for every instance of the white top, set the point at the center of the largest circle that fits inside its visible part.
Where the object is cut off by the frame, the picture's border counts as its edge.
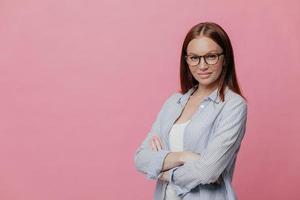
(176, 144)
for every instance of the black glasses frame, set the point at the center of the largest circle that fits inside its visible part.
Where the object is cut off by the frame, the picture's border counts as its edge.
(205, 57)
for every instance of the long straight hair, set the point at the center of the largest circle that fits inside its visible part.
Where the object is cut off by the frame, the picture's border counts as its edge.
(228, 75)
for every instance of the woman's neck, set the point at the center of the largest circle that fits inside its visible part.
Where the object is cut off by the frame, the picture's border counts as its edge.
(202, 91)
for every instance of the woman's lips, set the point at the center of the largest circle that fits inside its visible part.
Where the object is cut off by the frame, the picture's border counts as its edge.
(204, 75)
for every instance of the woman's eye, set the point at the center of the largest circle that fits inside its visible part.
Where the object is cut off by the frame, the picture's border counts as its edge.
(212, 56)
(194, 58)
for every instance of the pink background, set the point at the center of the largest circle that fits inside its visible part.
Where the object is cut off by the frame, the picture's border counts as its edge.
(82, 81)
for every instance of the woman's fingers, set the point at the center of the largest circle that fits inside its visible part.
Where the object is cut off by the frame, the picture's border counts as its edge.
(153, 146)
(155, 143)
(189, 156)
(158, 143)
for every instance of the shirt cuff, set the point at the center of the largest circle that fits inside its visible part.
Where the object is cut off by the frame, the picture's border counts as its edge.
(180, 191)
(156, 164)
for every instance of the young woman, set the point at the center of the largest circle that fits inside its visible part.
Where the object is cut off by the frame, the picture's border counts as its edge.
(193, 144)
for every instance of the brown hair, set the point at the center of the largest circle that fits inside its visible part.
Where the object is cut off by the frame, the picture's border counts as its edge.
(228, 76)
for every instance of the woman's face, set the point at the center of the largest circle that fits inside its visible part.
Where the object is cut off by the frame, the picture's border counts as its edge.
(206, 74)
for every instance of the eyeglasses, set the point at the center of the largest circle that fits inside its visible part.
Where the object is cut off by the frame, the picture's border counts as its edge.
(210, 59)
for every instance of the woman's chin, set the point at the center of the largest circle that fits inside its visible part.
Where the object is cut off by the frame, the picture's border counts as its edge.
(206, 82)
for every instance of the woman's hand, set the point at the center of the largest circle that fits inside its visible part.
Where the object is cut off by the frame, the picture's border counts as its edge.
(186, 156)
(165, 176)
(155, 143)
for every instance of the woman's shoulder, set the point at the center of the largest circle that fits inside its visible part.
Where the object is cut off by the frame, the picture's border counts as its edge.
(231, 96)
(174, 96)
(234, 100)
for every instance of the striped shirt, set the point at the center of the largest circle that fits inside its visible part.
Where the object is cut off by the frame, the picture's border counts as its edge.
(176, 145)
(215, 132)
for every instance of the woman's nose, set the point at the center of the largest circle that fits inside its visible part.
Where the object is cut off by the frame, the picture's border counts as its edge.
(202, 64)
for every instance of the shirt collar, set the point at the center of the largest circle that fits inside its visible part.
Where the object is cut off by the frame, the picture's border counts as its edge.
(213, 96)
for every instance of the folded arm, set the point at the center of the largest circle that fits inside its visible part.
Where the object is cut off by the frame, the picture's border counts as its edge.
(220, 151)
(146, 160)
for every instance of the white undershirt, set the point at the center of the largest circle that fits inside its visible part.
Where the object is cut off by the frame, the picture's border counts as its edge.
(176, 144)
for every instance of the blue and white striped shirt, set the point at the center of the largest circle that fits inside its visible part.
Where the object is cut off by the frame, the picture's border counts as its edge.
(215, 132)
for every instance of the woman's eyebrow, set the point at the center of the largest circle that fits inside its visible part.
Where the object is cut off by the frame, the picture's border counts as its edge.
(191, 53)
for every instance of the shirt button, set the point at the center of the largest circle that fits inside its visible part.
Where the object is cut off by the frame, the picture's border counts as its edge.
(202, 106)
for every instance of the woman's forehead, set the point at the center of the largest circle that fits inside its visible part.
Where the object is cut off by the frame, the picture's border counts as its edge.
(203, 45)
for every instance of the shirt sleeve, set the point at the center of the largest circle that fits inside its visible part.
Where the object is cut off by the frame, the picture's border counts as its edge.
(222, 148)
(146, 160)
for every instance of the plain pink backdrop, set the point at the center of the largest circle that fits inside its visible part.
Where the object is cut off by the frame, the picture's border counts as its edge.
(83, 80)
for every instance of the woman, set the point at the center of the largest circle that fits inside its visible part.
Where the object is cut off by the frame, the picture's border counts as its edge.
(193, 144)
